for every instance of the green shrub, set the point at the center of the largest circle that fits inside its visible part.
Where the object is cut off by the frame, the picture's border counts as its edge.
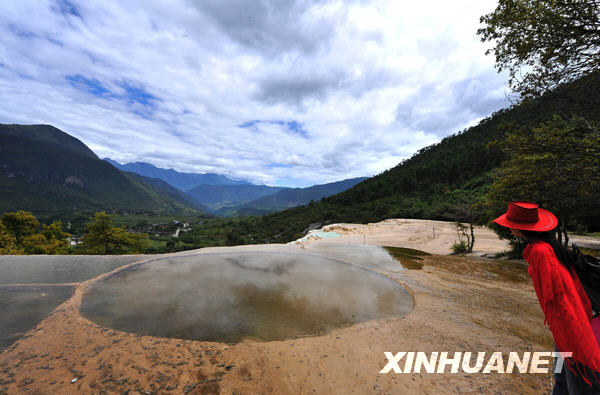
(459, 247)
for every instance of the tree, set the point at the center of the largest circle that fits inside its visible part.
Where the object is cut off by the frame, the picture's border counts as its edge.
(557, 165)
(19, 235)
(50, 241)
(543, 43)
(34, 244)
(103, 238)
(171, 244)
(20, 224)
(466, 238)
(55, 240)
(8, 243)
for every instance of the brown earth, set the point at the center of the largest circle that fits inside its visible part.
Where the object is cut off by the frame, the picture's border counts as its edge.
(435, 237)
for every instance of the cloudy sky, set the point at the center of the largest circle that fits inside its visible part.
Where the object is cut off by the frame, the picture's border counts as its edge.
(282, 92)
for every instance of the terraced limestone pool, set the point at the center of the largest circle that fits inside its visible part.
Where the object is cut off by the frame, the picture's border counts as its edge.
(228, 297)
(32, 286)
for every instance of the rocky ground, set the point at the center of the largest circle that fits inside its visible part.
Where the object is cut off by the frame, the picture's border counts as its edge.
(435, 237)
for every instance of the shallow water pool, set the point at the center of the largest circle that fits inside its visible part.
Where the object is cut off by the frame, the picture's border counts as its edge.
(326, 235)
(23, 306)
(58, 269)
(228, 297)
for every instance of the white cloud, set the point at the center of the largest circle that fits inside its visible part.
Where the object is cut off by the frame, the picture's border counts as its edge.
(366, 83)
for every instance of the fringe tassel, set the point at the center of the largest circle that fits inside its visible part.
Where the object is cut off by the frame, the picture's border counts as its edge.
(585, 376)
(582, 372)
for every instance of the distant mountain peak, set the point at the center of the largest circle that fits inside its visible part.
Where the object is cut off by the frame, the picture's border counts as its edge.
(180, 180)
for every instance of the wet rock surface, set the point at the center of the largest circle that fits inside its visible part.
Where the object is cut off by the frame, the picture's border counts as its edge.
(230, 297)
(32, 286)
(59, 269)
(23, 306)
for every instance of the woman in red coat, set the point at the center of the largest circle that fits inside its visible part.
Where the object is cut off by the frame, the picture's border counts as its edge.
(566, 307)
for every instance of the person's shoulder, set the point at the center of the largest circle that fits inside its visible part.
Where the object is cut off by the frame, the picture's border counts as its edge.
(537, 249)
(540, 245)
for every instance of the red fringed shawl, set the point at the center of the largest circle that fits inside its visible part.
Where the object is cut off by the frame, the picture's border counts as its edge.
(567, 308)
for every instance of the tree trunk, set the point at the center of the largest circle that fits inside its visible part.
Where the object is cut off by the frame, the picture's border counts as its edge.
(559, 227)
(472, 241)
(563, 237)
(564, 229)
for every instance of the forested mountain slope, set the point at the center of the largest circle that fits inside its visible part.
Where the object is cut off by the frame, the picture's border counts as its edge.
(438, 182)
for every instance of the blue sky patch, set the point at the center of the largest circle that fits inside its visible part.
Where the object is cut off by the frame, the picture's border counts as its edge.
(92, 86)
(136, 96)
(294, 127)
(248, 124)
(67, 8)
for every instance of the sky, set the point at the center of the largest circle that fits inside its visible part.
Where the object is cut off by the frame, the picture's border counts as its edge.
(278, 92)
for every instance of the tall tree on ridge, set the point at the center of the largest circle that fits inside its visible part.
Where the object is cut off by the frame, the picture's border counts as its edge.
(543, 43)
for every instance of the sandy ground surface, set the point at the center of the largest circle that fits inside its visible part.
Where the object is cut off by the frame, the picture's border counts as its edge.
(461, 304)
(435, 237)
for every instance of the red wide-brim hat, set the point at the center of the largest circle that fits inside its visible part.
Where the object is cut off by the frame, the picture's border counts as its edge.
(527, 216)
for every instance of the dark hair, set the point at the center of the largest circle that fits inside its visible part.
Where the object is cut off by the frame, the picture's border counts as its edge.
(562, 253)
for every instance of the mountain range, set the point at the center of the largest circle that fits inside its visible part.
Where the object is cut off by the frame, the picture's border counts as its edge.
(288, 197)
(180, 180)
(225, 196)
(45, 170)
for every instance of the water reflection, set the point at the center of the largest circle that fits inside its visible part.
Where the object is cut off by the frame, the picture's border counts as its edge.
(409, 258)
(56, 269)
(228, 297)
(23, 306)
